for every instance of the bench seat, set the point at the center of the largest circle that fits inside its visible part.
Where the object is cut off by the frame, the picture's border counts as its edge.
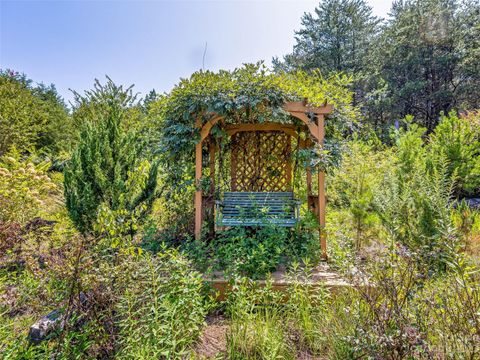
(257, 209)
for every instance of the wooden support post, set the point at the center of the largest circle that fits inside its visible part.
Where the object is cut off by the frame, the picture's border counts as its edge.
(288, 169)
(211, 148)
(309, 181)
(198, 189)
(310, 202)
(321, 191)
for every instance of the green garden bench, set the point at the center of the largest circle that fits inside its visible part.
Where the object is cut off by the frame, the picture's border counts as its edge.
(257, 209)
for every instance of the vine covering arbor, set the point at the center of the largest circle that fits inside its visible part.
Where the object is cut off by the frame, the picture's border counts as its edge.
(249, 132)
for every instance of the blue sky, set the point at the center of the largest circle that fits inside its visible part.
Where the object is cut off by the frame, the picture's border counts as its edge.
(147, 43)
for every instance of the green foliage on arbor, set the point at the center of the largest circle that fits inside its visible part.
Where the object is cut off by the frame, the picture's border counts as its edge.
(32, 117)
(109, 173)
(245, 95)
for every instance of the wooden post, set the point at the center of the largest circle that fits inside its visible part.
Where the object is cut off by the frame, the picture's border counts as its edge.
(309, 181)
(310, 198)
(198, 178)
(310, 202)
(289, 163)
(211, 148)
(233, 164)
(299, 109)
(321, 191)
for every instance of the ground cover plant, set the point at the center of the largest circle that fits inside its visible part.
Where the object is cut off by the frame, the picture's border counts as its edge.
(254, 252)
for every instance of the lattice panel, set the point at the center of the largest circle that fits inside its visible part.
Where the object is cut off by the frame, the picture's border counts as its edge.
(261, 161)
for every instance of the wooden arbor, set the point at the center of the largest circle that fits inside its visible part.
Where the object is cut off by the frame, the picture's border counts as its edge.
(312, 117)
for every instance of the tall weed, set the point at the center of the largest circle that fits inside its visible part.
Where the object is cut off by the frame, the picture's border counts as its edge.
(256, 329)
(162, 310)
(414, 203)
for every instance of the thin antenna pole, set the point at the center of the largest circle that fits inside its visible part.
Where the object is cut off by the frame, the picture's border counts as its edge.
(204, 53)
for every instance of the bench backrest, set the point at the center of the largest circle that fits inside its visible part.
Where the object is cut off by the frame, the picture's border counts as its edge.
(258, 208)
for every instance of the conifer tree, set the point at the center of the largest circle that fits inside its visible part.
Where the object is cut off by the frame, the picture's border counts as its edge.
(109, 169)
(336, 38)
(33, 117)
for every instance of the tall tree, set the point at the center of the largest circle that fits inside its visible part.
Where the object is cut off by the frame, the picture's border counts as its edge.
(336, 38)
(33, 117)
(424, 59)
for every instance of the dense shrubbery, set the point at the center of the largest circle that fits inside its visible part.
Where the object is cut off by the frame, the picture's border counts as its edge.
(47, 264)
(354, 185)
(393, 230)
(253, 253)
(415, 202)
(457, 140)
(25, 189)
(397, 314)
(33, 118)
(404, 194)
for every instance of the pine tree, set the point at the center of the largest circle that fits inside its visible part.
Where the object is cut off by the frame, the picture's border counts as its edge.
(422, 61)
(425, 62)
(108, 167)
(417, 59)
(336, 38)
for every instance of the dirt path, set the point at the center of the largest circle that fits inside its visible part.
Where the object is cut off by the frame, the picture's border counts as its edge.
(213, 340)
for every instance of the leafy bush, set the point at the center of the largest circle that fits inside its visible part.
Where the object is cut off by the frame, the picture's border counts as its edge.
(394, 312)
(386, 326)
(303, 243)
(32, 118)
(414, 202)
(172, 217)
(341, 239)
(26, 191)
(252, 252)
(162, 310)
(449, 308)
(457, 139)
(354, 185)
